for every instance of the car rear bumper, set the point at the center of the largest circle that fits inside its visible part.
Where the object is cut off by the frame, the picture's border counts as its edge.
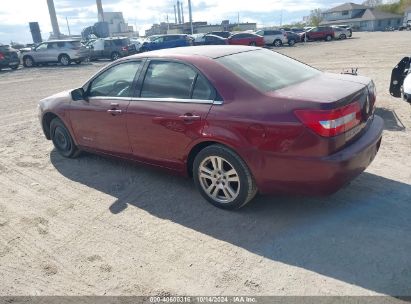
(322, 176)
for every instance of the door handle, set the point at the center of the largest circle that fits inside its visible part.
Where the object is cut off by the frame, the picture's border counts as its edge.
(114, 112)
(190, 117)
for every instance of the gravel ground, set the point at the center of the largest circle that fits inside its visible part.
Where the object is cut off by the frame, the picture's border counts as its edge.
(99, 226)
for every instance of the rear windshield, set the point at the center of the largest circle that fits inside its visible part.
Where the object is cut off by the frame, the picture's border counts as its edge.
(267, 70)
(121, 42)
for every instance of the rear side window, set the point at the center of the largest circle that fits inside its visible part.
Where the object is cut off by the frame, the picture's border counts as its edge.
(175, 80)
(267, 70)
(168, 80)
(73, 44)
(202, 89)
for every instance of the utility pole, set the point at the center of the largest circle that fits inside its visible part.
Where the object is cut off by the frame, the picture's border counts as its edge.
(281, 18)
(68, 27)
(238, 19)
(190, 15)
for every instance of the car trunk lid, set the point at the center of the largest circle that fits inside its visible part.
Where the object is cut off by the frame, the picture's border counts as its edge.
(334, 106)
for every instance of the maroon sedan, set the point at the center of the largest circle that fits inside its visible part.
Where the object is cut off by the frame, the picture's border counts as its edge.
(239, 120)
(246, 39)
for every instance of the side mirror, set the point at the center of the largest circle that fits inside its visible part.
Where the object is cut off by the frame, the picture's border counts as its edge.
(78, 94)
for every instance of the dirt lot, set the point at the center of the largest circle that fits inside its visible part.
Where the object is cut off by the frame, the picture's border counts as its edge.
(97, 226)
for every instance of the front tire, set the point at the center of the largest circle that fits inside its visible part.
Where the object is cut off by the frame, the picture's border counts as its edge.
(291, 42)
(62, 140)
(342, 37)
(223, 178)
(328, 38)
(28, 62)
(14, 67)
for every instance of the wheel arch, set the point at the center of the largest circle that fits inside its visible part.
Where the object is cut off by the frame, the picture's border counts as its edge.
(62, 54)
(46, 119)
(45, 123)
(200, 146)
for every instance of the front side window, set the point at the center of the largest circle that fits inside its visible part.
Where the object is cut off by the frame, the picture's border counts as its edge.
(42, 47)
(116, 81)
(267, 70)
(168, 80)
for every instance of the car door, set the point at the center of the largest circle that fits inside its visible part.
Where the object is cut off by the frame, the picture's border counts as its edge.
(237, 39)
(100, 121)
(158, 43)
(168, 113)
(40, 54)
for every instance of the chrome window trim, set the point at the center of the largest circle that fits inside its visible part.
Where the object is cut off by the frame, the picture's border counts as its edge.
(109, 98)
(173, 100)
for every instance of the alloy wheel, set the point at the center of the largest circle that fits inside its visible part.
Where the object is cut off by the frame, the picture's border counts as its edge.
(219, 179)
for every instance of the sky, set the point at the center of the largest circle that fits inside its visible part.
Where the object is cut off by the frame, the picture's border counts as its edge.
(16, 14)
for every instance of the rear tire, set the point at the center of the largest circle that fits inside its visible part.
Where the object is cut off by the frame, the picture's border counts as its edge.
(62, 140)
(14, 67)
(114, 56)
(28, 62)
(277, 43)
(328, 38)
(291, 42)
(223, 178)
(342, 37)
(252, 44)
(64, 60)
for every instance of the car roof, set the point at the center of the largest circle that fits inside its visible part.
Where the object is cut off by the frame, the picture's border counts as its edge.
(210, 51)
(63, 40)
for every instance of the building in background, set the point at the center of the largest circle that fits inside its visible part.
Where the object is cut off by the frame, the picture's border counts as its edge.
(361, 17)
(116, 24)
(198, 27)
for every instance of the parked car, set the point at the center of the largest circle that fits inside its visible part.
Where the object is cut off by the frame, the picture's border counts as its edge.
(347, 27)
(341, 33)
(239, 120)
(276, 38)
(297, 30)
(246, 39)
(111, 48)
(400, 84)
(56, 51)
(198, 39)
(292, 38)
(318, 33)
(223, 34)
(9, 57)
(138, 43)
(166, 42)
(212, 40)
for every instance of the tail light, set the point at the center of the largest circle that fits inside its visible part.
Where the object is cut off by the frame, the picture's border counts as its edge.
(124, 48)
(1, 56)
(330, 123)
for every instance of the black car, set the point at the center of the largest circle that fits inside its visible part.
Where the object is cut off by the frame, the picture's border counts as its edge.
(292, 38)
(223, 34)
(111, 48)
(213, 40)
(9, 57)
